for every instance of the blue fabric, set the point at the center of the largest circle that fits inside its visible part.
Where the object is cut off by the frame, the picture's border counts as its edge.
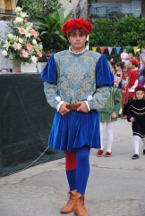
(83, 169)
(118, 50)
(104, 75)
(71, 177)
(74, 130)
(49, 72)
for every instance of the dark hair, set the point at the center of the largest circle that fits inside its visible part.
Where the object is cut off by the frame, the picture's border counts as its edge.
(120, 64)
(114, 61)
(73, 31)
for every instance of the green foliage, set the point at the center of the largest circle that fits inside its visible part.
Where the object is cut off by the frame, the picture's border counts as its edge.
(39, 7)
(49, 28)
(127, 31)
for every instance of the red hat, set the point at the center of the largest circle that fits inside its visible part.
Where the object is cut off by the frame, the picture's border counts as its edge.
(71, 24)
(135, 62)
(139, 88)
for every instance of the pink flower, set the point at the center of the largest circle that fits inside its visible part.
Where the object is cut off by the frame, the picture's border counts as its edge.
(22, 31)
(29, 47)
(39, 53)
(33, 32)
(16, 46)
(25, 54)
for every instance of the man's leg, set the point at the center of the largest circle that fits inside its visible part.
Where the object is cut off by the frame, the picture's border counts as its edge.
(70, 167)
(82, 174)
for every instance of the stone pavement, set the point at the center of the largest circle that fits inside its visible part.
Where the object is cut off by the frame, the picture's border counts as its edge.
(116, 185)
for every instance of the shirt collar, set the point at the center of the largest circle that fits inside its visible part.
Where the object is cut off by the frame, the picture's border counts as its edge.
(78, 52)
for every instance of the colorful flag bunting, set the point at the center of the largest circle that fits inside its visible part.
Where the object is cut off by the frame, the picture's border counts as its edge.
(94, 49)
(118, 50)
(128, 48)
(110, 50)
(102, 49)
(135, 48)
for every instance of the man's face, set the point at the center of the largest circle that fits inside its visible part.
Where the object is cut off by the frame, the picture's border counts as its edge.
(77, 40)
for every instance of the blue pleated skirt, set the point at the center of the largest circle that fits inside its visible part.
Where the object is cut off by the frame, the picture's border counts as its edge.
(74, 130)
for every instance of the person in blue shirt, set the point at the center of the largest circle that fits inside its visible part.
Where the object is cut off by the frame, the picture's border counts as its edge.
(77, 83)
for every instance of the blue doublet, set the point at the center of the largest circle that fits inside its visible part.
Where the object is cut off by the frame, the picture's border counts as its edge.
(74, 78)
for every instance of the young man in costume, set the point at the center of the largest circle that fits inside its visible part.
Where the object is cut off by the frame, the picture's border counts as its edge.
(77, 83)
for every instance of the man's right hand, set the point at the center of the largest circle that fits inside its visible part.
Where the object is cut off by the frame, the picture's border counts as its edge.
(63, 110)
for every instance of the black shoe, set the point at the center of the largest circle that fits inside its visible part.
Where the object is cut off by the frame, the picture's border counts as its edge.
(144, 151)
(135, 156)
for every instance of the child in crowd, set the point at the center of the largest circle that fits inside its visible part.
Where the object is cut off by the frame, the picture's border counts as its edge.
(108, 115)
(136, 115)
(124, 55)
(118, 76)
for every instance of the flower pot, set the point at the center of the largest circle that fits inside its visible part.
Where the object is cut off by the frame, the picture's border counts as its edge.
(17, 69)
(28, 68)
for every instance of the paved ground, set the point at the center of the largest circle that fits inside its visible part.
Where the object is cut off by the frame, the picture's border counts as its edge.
(116, 185)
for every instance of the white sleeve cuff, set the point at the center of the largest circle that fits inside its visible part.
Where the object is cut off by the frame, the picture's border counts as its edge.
(87, 105)
(59, 105)
(89, 98)
(58, 98)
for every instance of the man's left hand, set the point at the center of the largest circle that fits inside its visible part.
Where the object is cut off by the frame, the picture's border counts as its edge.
(82, 107)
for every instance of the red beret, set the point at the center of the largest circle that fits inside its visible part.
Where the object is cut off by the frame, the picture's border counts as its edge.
(135, 62)
(71, 24)
(139, 88)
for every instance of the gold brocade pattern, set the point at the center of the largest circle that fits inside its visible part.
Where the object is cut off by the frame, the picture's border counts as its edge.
(77, 76)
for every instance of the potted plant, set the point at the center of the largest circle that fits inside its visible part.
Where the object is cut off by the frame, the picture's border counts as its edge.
(23, 44)
(49, 29)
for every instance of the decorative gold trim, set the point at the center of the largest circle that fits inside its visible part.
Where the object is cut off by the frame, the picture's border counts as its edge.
(139, 134)
(136, 108)
(138, 113)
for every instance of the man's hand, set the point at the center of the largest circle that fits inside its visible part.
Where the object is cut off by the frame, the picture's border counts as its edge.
(63, 110)
(82, 107)
(113, 115)
(132, 119)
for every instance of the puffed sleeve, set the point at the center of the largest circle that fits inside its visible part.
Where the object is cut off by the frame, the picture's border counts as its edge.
(49, 75)
(104, 76)
(49, 72)
(104, 80)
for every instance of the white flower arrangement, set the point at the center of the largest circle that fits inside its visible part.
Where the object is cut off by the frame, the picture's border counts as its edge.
(23, 46)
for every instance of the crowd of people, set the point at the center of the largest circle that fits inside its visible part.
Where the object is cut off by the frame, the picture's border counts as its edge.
(128, 73)
(129, 80)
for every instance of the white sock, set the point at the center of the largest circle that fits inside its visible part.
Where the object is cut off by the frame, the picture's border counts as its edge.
(101, 136)
(136, 140)
(109, 132)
